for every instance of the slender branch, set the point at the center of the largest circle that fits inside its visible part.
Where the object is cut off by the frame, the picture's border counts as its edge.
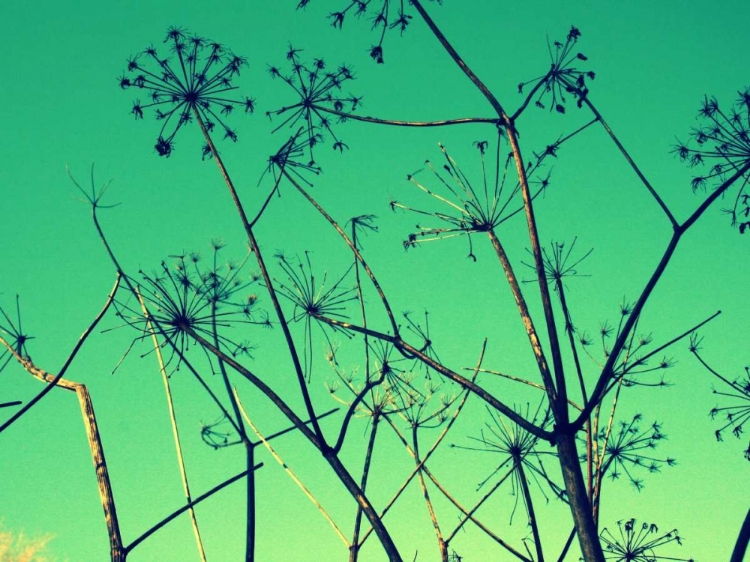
(326, 451)
(523, 310)
(355, 117)
(175, 430)
(442, 545)
(743, 539)
(530, 510)
(57, 378)
(631, 162)
(353, 247)
(266, 278)
(355, 545)
(188, 506)
(445, 371)
(607, 371)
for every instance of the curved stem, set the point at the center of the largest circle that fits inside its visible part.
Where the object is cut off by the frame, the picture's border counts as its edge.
(445, 371)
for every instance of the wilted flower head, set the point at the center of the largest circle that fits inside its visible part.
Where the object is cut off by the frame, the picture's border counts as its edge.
(720, 146)
(193, 80)
(563, 77)
(321, 99)
(638, 542)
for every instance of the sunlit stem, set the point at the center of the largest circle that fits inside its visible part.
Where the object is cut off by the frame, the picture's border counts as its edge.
(175, 430)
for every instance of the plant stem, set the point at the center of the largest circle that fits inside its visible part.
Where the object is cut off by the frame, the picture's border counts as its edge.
(175, 430)
(266, 278)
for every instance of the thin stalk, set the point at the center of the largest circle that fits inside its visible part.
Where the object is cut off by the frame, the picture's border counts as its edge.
(327, 452)
(353, 247)
(630, 161)
(469, 514)
(175, 430)
(470, 385)
(355, 544)
(607, 371)
(266, 278)
(530, 509)
(250, 520)
(743, 539)
(565, 549)
(584, 396)
(289, 471)
(523, 310)
(442, 545)
(441, 123)
(186, 507)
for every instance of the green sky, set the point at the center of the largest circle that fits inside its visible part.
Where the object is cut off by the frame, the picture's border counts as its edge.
(60, 105)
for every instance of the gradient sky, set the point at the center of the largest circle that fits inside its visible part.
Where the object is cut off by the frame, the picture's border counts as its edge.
(60, 105)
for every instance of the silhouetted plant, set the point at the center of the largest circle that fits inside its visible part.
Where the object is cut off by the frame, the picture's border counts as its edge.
(196, 77)
(563, 78)
(388, 376)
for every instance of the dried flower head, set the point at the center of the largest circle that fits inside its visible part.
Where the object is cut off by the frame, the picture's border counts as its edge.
(720, 147)
(193, 81)
(627, 449)
(14, 334)
(313, 300)
(184, 297)
(638, 543)
(736, 415)
(520, 452)
(562, 78)
(468, 207)
(321, 99)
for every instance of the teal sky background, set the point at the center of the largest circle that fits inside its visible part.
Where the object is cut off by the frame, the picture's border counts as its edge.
(60, 105)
